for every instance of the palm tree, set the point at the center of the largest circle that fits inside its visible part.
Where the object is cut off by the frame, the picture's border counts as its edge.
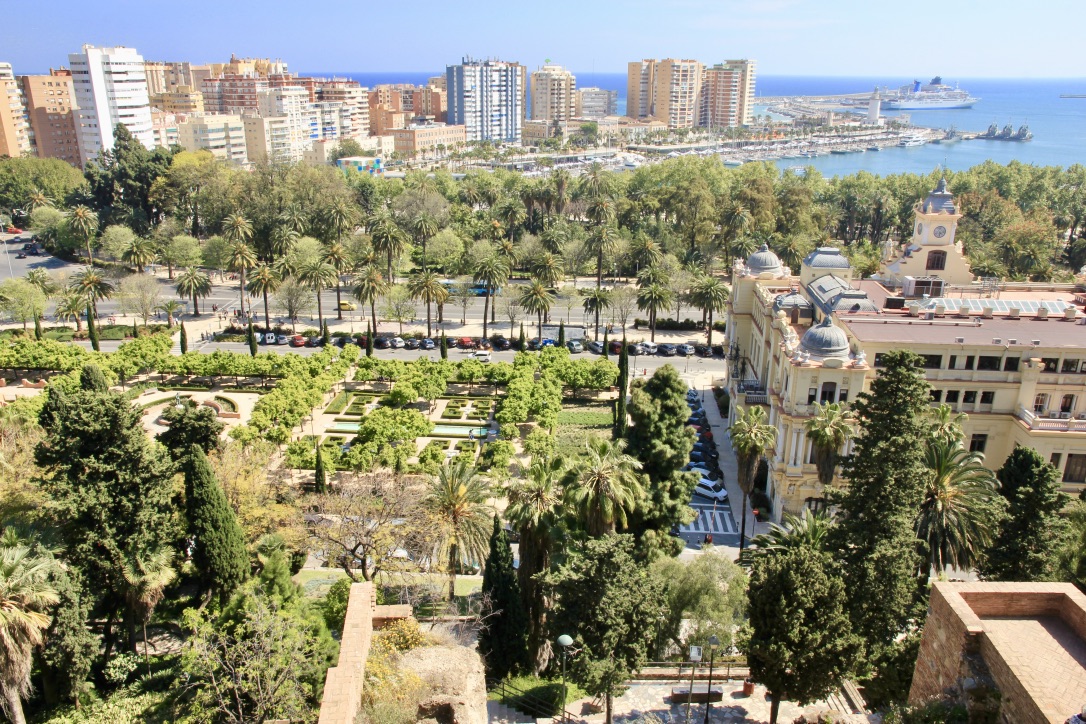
(294, 219)
(91, 285)
(457, 504)
(751, 437)
(710, 295)
(172, 308)
(71, 305)
(193, 283)
(596, 301)
(84, 222)
(241, 258)
(946, 425)
(38, 199)
(604, 486)
(427, 286)
(424, 227)
(511, 213)
(535, 505)
(651, 299)
(958, 513)
(369, 286)
(492, 272)
(262, 282)
(140, 253)
(603, 240)
(547, 268)
(25, 595)
(336, 254)
(807, 531)
(41, 279)
(646, 251)
(537, 298)
(317, 275)
(829, 429)
(387, 238)
(145, 580)
(339, 218)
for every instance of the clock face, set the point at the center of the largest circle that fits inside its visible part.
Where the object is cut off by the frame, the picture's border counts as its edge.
(919, 228)
(940, 232)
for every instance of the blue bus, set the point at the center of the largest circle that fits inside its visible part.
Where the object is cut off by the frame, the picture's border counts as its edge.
(477, 288)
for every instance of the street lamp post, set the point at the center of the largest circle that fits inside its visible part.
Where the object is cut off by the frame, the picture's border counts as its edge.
(713, 643)
(565, 641)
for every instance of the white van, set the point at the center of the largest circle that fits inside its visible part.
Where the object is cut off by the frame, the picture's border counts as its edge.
(709, 489)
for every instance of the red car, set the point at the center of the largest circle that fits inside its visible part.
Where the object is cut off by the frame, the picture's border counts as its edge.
(14, 230)
(297, 341)
(465, 343)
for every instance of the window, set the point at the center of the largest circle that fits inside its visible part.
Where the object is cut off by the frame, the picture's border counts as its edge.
(987, 397)
(1040, 402)
(812, 395)
(1067, 404)
(878, 359)
(969, 362)
(1069, 366)
(936, 395)
(1075, 472)
(932, 361)
(970, 397)
(1050, 364)
(953, 365)
(987, 362)
(936, 260)
(842, 396)
(815, 505)
(1010, 364)
(952, 396)
(1055, 460)
(977, 443)
(829, 392)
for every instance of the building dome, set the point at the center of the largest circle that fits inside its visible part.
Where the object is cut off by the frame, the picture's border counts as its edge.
(826, 257)
(763, 261)
(790, 300)
(825, 340)
(940, 200)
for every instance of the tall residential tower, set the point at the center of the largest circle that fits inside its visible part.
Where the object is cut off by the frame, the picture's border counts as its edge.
(487, 98)
(554, 94)
(14, 127)
(667, 90)
(110, 90)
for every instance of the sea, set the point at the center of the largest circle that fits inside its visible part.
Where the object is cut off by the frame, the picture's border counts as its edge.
(1058, 124)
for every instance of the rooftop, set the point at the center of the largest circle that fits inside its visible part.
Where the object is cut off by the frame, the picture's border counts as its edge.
(1052, 333)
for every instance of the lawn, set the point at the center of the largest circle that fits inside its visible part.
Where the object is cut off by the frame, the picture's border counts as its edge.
(580, 421)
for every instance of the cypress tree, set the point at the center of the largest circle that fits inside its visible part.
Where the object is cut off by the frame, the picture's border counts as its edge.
(606, 354)
(251, 338)
(502, 642)
(1026, 545)
(444, 347)
(92, 329)
(135, 329)
(184, 339)
(37, 327)
(327, 336)
(92, 379)
(320, 477)
(369, 341)
(219, 553)
(620, 405)
(874, 539)
(522, 342)
(561, 334)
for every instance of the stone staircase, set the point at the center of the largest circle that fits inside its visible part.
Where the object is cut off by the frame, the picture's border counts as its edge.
(499, 713)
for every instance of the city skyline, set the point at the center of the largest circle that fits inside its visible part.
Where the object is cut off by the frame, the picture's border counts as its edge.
(787, 37)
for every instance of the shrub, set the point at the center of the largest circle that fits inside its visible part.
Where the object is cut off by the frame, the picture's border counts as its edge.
(337, 405)
(668, 324)
(227, 404)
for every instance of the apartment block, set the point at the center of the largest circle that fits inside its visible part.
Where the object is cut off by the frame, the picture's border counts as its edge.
(14, 126)
(50, 100)
(287, 127)
(727, 90)
(261, 67)
(110, 90)
(223, 136)
(164, 77)
(233, 94)
(354, 98)
(181, 99)
(553, 91)
(423, 138)
(430, 102)
(595, 103)
(164, 128)
(384, 120)
(285, 80)
(487, 97)
(667, 90)
(437, 81)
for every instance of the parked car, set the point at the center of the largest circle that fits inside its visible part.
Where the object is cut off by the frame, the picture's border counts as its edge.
(465, 343)
(340, 341)
(412, 343)
(397, 343)
(713, 490)
(574, 346)
(537, 344)
(347, 306)
(597, 347)
(614, 346)
(483, 343)
(270, 338)
(427, 343)
(718, 350)
(382, 343)
(686, 349)
(649, 347)
(703, 350)
(692, 394)
(29, 246)
(360, 340)
(311, 341)
(502, 344)
(450, 343)
(297, 341)
(282, 339)
(667, 350)
(21, 255)
(482, 356)
(14, 230)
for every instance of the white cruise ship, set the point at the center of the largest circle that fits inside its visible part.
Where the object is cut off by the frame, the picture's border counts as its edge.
(933, 96)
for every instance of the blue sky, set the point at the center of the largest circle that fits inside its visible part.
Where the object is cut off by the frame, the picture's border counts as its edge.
(955, 38)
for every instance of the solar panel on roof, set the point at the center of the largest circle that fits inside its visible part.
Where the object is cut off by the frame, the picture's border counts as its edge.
(1055, 306)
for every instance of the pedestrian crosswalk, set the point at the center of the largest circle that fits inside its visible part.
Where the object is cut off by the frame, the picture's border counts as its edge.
(716, 522)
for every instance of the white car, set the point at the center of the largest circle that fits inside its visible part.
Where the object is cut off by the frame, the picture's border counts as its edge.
(397, 343)
(482, 355)
(709, 489)
(270, 338)
(649, 347)
(282, 339)
(686, 349)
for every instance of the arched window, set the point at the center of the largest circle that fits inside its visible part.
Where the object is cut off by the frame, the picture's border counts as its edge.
(936, 260)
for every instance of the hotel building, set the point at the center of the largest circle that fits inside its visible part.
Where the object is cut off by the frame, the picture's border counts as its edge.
(49, 103)
(110, 90)
(1011, 356)
(487, 97)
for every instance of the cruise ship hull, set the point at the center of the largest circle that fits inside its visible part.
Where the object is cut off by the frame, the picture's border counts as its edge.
(928, 105)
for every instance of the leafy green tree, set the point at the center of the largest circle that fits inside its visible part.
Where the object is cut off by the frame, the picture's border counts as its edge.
(502, 640)
(604, 600)
(457, 503)
(335, 604)
(121, 181)
(662, 443)
(801, 641)
(604, 486)
(191, 425)
(219, 553)
(22, 301)
(36, 183)
(874, 538)
(180, 251)
(704, 597)
(1026, 543)
(751, 436)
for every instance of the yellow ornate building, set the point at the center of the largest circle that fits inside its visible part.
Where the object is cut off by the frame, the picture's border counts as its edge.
(1012, 357)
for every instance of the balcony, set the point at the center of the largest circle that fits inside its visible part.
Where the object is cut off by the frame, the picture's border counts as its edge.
(1052, 422)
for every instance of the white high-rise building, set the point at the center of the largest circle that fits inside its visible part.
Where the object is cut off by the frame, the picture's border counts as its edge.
(596, 103)
(487, 98)
(553, 93)
(110, 89)
(287, 127)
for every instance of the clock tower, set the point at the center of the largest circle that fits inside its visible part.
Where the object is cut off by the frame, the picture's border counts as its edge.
(936, 218)
(932, 250)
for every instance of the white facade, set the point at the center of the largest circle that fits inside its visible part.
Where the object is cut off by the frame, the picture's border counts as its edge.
(287, 127)
(553, 93)
(487, 98)
(223, 136)
(110, 89)
(596, 103)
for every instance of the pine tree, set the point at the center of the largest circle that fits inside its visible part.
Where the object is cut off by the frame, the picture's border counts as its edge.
(219, 553)
(1025, 549)
(251, 339)
(320, 478)
(184, 339)
(37, 327)
(444, 347)
(70, 647)
(502, 641)
(561, 334)
(874, 539)
(92, 329)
